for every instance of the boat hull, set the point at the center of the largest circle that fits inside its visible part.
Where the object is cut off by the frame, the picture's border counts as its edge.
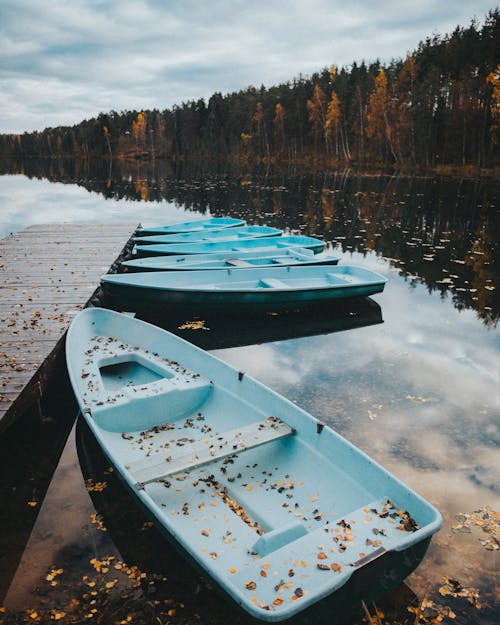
(149, 553)
(198, 225)
(224, 234)
(278, 509)
(228, 260)
(275, 288)
(261, 245)
(132, 298)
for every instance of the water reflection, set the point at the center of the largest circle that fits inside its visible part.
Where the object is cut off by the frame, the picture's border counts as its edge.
(419, 392)
(443, 233)
(218, 332)
(28, 464)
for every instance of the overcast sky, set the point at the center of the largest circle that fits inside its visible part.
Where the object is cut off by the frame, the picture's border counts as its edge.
(62, 61)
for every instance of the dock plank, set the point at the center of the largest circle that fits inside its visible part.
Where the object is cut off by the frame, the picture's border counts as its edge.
(47, 274)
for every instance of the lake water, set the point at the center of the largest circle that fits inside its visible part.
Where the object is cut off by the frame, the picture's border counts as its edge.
(412, 377)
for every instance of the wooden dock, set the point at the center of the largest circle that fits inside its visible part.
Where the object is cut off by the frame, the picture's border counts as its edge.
(47, 274)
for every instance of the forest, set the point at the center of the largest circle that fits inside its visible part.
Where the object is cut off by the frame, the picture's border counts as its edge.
(440, 106)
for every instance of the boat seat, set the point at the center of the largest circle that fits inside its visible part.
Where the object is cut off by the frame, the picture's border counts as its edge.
(136, 387)
(361, 545)
(279, 537)
(335, 278)
(236, 262)
(303, 253)
(273, 283)
(209, 450)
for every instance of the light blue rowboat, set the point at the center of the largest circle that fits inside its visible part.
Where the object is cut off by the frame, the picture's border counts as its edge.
(226, 234)
(278, 509)
(198, 225)
(226, 260)
(268, 288)
(257, 245)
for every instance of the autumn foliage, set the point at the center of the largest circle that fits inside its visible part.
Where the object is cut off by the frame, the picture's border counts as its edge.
(440, 105)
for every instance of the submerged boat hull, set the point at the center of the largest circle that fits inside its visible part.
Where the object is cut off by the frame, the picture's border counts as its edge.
(198, 225)
(279, 510)
(274, 288)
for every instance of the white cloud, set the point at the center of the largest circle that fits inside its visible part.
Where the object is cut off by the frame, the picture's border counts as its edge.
(130, 54)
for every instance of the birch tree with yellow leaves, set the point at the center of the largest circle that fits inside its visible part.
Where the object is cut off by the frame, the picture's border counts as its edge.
(493, 79)
(317, 114)
(378, 129)
(139, 133)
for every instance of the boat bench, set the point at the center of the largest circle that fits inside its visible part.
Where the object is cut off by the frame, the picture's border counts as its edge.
(122, 400)
(335, 278)
(273, 283)
(209, 450)
(302, 252)
(236, 262)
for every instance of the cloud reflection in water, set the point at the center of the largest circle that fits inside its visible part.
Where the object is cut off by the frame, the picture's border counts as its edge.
(419, 393)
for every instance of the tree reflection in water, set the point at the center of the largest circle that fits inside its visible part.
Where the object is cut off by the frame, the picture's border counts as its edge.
(418, 392)
(441, 232)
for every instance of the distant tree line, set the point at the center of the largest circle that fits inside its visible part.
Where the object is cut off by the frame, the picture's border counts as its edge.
(440, 105)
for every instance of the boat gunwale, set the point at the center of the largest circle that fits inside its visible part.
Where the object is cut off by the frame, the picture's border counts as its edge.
(146, 500)
(264, 243)
(222, 234)
(112, 279)
(154, 263)
(161, 229)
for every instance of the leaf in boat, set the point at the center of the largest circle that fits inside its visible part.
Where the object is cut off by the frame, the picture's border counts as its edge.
(322, 567)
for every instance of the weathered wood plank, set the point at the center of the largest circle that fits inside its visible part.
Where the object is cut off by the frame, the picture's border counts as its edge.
(47, 273)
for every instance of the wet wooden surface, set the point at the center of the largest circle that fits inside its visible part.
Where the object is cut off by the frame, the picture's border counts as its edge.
(47, 274)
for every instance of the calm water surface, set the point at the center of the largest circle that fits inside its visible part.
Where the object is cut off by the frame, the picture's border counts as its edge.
(412, 377)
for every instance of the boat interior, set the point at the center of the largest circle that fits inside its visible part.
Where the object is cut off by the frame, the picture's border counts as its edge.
(241, 489)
